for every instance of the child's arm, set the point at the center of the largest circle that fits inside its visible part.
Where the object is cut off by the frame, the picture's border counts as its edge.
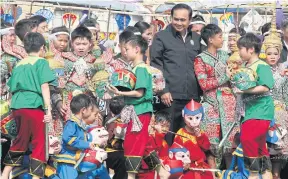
(257, 90)
(46, 96)
(70, 137)
(135, 93)
(203, 142)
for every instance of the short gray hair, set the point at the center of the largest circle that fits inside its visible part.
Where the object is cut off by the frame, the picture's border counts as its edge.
(284, 24)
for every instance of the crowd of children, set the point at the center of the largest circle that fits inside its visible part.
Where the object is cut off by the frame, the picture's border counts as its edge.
(61, 86)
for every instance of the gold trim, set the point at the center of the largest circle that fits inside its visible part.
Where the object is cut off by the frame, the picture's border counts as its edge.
(37, 160)
(66, 161)
(66, 156)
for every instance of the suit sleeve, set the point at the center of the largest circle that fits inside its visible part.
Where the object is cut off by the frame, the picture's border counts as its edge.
(71, 138)
(156, 57)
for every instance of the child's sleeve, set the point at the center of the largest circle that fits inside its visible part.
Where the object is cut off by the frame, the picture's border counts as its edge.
(265, 76)
(45, 74)
(144, 79)
(203, 142)
(71, 138)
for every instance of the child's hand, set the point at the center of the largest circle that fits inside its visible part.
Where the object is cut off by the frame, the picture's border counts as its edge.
(113, 89)
(47, 117)
(237, 91)
(197, 131)
(228, 72)
(92, 146)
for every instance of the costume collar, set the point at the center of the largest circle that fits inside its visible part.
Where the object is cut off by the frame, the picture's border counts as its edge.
(78, 121)
(72, 57)
(14, 50)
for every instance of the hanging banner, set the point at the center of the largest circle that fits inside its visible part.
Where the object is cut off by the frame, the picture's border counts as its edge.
(251, 21)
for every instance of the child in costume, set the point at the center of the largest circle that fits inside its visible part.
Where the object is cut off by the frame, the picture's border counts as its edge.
(74, 135)
(78, 66)
(141, 98)
(272, 45)
(159, 125)
(218, 100)
(259, 109)
(30, 97)
(195, 140)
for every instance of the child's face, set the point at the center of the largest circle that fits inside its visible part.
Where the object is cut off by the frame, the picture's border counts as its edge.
(61, 42)
(197, 28)
(93, 116)
(245, 53)
(131, 52)
(232, 42)
(272, 56)
(42, 28)
(147, 35)
(164, 126)
(193, 121)
(216, 40)
(123, 50)
(94, 35)
(11, 37)
(81, 46)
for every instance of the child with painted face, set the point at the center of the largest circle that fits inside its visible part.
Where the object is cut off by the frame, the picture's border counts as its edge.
(195, 140)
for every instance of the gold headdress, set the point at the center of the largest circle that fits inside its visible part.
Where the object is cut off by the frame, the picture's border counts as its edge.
(273, 39)
(234, 61)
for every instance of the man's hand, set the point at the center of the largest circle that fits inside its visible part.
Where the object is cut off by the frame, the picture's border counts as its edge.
(62, 108)
(167, 99)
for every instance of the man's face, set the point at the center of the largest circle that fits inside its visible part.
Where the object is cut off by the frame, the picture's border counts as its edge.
(81, 46)
(180, 20)
(197, 28)
(42, 28)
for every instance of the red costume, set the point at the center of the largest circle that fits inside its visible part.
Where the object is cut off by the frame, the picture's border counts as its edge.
(193, 113)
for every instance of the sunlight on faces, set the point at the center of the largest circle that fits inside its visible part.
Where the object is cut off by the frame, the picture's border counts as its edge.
(61, 42)
(193, 121)
(197, 28)
(217, 40)
(180, 20)
(272, 56)
(232, 42)
(147, 35)
(81, 46)
(42, 28)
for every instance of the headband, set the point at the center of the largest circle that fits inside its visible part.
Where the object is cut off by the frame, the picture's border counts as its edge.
(91, 28)
(137, 33)
(53, 36)
(197, 22)
(267, 33)
(6, 30)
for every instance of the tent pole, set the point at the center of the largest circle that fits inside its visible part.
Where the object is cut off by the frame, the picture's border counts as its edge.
(109, 16)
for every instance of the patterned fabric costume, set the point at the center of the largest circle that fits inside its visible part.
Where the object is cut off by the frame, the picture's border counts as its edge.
(78, 73)
(280, 97)
(219, 102)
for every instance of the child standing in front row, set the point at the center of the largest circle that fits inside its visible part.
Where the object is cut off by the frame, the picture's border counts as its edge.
(259, 109)
(30, 97)
(141, 98)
